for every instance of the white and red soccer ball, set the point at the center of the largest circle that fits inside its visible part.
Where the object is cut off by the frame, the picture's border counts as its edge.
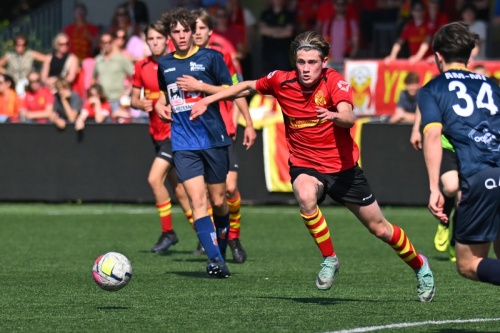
(112, 271)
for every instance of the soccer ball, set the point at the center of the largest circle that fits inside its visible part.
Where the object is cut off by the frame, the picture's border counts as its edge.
(112, 271)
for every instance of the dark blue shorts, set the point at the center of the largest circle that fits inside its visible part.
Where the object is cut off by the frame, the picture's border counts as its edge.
(163, 150)
(212, 163)
(478, 214)
(449, 161)
(348, 186)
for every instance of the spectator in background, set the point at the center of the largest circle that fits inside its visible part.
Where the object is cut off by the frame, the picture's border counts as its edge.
(67, 104)
(344, 35)
(479, 27)
(138, 12)
(306, 13)
(137, 46)
(495, 20)
(61, 63)
(112, 70)
(277, 30)
(436, 18)
(122, 20)
(120, 40)
(325, 13)
(242, 19)
(407, 104)
(482, 8)
(96, 108)
(379, 11)
(20, 63)
(82, 35)
(236, 36)
(38, 101)
(416, 34)
(10, 102)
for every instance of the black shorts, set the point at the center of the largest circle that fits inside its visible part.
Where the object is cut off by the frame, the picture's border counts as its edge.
(348, 186)
(449, 161)
(478, 214)
(163, 150)
(233, 158)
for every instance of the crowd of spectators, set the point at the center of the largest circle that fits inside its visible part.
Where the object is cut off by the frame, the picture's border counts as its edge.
(87, 76)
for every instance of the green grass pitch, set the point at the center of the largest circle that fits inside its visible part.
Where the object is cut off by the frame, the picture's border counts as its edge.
(46, 284)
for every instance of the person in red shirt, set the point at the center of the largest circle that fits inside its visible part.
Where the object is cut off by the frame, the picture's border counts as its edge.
(38, 101)
(317, 109)
(204, 29)
(145, 93)
(96, 108)
(416, 33)
(82, 35)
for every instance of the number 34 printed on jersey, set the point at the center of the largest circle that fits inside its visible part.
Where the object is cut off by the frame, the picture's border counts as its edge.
(484, 99)
(180, 100)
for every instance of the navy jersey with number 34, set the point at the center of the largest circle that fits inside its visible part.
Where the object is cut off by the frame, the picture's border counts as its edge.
(205, 65)
(467, 106)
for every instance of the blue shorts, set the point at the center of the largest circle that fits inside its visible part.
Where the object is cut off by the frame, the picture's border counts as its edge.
(212, 163)
(478, 214)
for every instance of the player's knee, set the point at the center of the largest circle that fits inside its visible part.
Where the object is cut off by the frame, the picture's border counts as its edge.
(231, 190)
(450, 190)
(155, 183)
(380, 229)
(218, 202)
(465, 269)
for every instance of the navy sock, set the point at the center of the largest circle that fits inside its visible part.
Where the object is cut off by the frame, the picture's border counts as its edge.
(222, 226)
(206, 234)
(488, 271)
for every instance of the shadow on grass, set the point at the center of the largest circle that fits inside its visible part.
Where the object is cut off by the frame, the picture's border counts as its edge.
(195, 259)
(321, 300)
(449, 330)
(113, 307)
(167, 253)
(202, 274)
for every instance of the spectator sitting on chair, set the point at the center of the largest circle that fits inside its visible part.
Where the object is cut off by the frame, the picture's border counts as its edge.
(20, 62)
(38, 101)
(10, 102)
(96, 108)
(407, 104)
(67, 104)
(416, 34)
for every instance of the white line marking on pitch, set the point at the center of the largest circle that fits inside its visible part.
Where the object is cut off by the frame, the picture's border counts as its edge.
(421, 323)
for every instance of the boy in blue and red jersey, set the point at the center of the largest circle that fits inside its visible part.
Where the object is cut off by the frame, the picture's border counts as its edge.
(464, 106)
(317, 108)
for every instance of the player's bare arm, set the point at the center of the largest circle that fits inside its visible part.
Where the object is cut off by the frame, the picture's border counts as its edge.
(241, 89)
(342, 115)
(249, 135)
(433, 153)
(416, 136)
(162, 109)
(144, 103)
(189, 83)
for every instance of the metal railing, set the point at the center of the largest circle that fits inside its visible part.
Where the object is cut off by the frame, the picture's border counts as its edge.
(40, 26)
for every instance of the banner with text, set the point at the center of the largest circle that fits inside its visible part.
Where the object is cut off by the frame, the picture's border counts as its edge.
(377, 85)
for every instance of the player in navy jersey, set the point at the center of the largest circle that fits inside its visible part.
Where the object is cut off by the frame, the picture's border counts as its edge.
(317, 109)
(464, 106)
(200, 146)
(204, 29)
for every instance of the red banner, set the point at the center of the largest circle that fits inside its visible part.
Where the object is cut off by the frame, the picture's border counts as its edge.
(377, 85)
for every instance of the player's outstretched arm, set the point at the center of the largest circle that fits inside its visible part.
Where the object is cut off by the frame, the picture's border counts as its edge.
(189, 83)
(433, 154)
(241, 89)
(162, 109)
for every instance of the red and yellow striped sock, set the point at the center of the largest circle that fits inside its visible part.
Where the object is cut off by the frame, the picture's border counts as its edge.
(404, 248)
(211, 213)
(165, 211)
(189, 216)
(234, 216)
(318, 229)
